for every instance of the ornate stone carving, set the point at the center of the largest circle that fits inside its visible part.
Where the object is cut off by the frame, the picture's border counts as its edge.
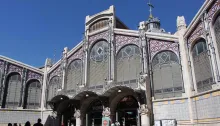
(181, 23)
(106, 112)
(159, 45)
(77, 114)
(144, 109)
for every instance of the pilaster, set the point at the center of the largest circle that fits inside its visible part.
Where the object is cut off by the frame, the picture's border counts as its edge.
(3, 80)
(85, 56)
(23, 87)
(145, 115)
(181, 26)
(64, 67)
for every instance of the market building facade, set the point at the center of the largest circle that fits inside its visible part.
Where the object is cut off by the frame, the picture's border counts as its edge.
(117, 75)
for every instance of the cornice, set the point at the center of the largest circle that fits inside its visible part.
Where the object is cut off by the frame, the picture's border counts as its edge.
(126, 32)
(196, 19)
(162, 36)
(21, 64)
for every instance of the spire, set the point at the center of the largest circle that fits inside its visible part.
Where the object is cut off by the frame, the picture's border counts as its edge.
(151, 7)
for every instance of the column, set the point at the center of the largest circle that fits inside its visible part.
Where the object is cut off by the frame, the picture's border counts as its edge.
(23, 88)
(64, 65)
(77, 116)
(145, 115)
(85, 57)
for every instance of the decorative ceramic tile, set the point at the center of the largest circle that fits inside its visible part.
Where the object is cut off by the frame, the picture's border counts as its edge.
(76, 55)
(14, 68)
(196, 33)
(34, 75)
(2, 63)
(99, 36)
(56, 72)
(122, 40)
(160, 45)
(213, 10)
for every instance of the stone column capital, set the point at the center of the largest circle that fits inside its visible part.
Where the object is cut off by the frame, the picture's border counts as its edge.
(77, 114)
(144, 110)
(106, 112)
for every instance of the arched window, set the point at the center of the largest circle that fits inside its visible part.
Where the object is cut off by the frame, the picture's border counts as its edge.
(202, 66)
(98, 70)
(217, 32)
(32, 95)
(128, 64)
(12, 92)
(167, 78)
(54, 85)
(74, 75)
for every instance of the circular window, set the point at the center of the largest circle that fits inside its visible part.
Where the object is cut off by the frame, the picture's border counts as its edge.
(99, 51)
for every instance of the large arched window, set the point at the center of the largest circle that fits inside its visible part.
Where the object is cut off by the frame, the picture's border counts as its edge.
(32, 95)
(202, 66)
(98, 70)
(12, 92)
(217, 32)
(167, 77)
(74, 75)
(54, 85)
(128, 64)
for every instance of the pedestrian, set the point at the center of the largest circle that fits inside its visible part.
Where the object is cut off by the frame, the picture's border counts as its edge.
(27, 123)
(15, 124)
(38, 123)
(9, 124)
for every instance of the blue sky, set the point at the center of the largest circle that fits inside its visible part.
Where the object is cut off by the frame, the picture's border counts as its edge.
(32, 30)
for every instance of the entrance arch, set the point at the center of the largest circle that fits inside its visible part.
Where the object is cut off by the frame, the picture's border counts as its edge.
(127, 111)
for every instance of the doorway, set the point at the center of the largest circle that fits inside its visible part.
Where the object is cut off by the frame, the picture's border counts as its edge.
(127, 112)
(94, 114)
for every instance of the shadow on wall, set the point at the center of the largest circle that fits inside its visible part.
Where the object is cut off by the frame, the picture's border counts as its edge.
(51, 121)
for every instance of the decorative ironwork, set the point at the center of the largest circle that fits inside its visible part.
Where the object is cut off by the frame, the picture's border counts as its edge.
(12, 95)
(166, 75)
(98, 64)
(74, 75)
(159, 45)
(33, 95)
(122, 40)
(54, 85)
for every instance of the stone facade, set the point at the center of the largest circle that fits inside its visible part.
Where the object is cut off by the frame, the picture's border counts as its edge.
(181, 69)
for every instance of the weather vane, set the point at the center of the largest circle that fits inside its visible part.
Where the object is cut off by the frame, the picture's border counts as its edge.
(151, 7)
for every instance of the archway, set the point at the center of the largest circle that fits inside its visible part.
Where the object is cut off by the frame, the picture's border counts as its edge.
(127, 111)
(94, 113)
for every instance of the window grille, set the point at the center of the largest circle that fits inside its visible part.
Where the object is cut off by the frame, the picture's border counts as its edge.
(128, 64)
(202, 66)
(98, 70)
(217, 33)
(54, 85)
(33, 95)
(74, 75)
(167, 78)
(12, 91)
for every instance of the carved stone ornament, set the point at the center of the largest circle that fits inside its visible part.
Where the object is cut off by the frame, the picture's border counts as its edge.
(106, 112)
(144, 110)
(77, 114)
(181, 23)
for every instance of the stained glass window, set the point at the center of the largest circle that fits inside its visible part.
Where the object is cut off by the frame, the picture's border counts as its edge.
(202, 66)
(32, 95)
(167, 77)
(98, 69)
(128, 64)
(74, 75)
(12, 92)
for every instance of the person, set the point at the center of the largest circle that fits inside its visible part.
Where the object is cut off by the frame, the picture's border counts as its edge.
(27, 123)
(9, 124)
(15, 124)
(38, 123)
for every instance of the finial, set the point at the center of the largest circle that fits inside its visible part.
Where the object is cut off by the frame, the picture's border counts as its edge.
(151, 6)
